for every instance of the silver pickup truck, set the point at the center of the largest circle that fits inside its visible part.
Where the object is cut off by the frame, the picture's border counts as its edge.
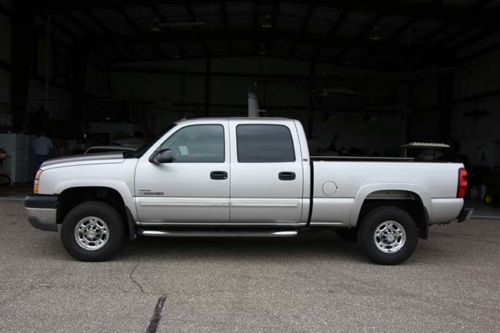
(242, 177)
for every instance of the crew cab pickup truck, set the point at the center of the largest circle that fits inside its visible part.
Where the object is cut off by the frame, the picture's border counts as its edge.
(242, 177)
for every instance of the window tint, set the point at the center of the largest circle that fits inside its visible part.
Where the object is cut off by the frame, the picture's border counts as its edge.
(197, 143)
(264, 143)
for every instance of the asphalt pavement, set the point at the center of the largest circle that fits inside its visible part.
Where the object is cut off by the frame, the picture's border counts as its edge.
(313, 283)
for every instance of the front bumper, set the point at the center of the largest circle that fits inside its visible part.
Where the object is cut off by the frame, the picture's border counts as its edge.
(465, 214)
(42, 211)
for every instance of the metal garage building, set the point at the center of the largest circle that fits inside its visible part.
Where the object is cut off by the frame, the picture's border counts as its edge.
(364, 77)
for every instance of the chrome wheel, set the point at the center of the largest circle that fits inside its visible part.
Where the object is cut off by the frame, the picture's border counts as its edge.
(389, 236)
(91, 233)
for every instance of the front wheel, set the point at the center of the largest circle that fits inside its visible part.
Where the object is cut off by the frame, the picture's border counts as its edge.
(92, 231)
(388, 235)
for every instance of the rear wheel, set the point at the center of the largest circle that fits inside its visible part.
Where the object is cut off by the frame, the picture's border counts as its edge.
(92, 231)
(388, 235)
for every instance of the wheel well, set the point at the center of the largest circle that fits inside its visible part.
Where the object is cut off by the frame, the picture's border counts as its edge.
(72, 197)
(408, 201)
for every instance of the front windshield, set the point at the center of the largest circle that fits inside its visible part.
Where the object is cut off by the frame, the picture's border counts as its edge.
(139, 152)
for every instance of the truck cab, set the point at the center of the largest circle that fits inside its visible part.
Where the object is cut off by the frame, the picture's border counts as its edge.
(225, 171)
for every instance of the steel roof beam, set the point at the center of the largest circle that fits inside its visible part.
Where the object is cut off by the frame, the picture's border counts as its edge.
(303, 26)
(138, 30)
(161, 19)
(487, 19)
(331, 34)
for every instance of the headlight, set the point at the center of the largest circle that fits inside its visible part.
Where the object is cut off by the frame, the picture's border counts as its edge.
(37, 179)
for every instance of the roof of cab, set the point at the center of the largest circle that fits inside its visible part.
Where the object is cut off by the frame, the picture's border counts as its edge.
(242, 119)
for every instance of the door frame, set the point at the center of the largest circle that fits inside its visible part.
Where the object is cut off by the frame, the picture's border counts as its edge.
(279, 202)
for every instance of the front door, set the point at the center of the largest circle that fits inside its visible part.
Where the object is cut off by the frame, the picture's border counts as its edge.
(194, 188)
(266, 174)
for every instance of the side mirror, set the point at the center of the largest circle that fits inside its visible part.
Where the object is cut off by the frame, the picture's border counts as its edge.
(162, 156)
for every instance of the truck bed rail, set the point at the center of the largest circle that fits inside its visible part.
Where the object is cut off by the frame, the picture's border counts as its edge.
(363, 158)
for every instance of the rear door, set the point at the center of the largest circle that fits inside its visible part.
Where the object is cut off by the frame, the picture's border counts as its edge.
(266, 173)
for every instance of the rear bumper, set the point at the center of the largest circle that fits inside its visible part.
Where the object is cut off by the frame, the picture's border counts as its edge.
(465, 214)
(446, 210)
(41, 211)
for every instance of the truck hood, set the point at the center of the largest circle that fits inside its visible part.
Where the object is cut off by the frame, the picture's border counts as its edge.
(104, 158)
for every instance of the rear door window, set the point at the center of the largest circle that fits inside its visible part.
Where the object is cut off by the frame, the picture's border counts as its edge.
(264, 143)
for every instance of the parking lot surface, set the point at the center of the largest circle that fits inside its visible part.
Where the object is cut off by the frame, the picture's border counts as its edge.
(314, 283)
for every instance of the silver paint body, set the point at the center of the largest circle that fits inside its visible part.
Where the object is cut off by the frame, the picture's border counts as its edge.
(252, 195)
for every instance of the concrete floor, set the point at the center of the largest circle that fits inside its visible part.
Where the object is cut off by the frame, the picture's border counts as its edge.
(314, 283)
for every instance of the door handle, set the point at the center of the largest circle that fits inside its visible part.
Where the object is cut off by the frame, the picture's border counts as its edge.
(218, 175)
(286, 175)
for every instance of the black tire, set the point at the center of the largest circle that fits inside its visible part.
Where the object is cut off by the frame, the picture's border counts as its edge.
(368, 228)
(347, 234)
(114, 226)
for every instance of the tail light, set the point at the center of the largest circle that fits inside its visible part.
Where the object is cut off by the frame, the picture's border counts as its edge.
(37, 180)
(462, 183)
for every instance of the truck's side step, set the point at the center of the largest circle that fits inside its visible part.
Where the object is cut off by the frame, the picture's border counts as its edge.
(212, 233)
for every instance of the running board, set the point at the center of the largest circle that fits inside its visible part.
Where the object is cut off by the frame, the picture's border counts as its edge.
(201, 233)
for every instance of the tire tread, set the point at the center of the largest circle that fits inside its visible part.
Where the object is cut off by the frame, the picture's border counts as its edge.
(112, 219)
(372, 220)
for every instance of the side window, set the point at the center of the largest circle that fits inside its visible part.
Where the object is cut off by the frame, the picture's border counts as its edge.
(264, 143)
(197, 143)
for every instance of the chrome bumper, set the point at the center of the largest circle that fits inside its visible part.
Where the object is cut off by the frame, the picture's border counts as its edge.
(41, 212)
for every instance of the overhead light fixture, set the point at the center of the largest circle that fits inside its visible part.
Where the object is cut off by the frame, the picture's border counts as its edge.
(182, 24)
(375, 35)
(262, 49)
(266, 21)
(155, 26)
(177, 53)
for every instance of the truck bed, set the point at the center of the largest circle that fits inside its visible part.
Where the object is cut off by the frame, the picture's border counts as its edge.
(341, 184)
